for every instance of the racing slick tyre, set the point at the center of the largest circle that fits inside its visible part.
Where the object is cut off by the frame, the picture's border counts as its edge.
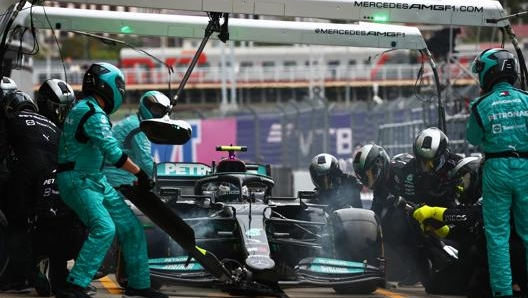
(357, 237)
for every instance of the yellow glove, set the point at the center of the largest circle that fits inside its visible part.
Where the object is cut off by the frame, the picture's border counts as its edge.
(425, 212)
(441, 232)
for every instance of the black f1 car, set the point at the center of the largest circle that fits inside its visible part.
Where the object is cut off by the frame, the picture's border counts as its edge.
(221, 226)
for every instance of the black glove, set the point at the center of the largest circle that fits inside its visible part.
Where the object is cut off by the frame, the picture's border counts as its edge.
(144, 182)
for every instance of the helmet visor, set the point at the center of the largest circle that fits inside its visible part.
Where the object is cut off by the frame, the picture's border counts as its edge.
(477, 65)
(363, 176)
(324, 182)
(367, 177)
(156, 110)
(60, 110)
(121, 86)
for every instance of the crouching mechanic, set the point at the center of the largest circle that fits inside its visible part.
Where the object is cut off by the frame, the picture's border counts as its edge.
(86, 141)
(31, 149)
(333, 187)
(58, 233)
(7, 85)
(469, 275)
(401, 236)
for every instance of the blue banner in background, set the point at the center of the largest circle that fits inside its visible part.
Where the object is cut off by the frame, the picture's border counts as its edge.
(272, 138)
(297, 139)
(263, 137)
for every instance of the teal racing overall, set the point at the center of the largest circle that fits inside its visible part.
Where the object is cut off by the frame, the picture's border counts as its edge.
(85, 143)
(498, 123)
(136, 145)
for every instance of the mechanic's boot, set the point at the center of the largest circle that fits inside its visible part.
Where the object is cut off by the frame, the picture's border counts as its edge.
(72, 291)
(143, 293)
(90, 290)
(42, 284)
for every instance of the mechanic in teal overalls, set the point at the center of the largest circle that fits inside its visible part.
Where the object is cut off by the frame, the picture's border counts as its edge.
(498, 124)
(153, 104)
(85, 143)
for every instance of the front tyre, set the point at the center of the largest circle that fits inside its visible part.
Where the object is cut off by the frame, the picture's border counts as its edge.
(358, 237)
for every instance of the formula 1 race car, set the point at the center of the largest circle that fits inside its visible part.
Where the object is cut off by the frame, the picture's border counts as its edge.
(221, 226)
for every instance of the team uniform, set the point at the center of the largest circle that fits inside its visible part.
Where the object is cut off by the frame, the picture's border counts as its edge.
(136, 145)
(32, 147)
(498, 126)
(83, 149)
(58, 234)
(417, 180)
(86, 143)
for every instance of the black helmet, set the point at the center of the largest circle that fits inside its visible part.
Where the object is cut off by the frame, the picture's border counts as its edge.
(430, 148)
(370, 161)
(468, 171)
(153, 104)
(17, 101)
(54, 100)
(107, 81)
(7, 85)
(494, 65)
(325, 171)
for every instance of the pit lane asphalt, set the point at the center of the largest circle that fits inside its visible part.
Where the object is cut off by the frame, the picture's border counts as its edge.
(107, 287)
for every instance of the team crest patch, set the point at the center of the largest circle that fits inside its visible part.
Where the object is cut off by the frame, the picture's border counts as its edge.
(496, 128)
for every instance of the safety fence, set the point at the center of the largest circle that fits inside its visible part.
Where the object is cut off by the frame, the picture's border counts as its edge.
(398, 137)
(291, 134)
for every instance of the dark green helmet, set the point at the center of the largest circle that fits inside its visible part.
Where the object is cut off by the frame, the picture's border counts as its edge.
(494, 65)
(107, 81)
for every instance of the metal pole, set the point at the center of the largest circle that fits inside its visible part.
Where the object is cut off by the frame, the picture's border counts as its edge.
(223, 81)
